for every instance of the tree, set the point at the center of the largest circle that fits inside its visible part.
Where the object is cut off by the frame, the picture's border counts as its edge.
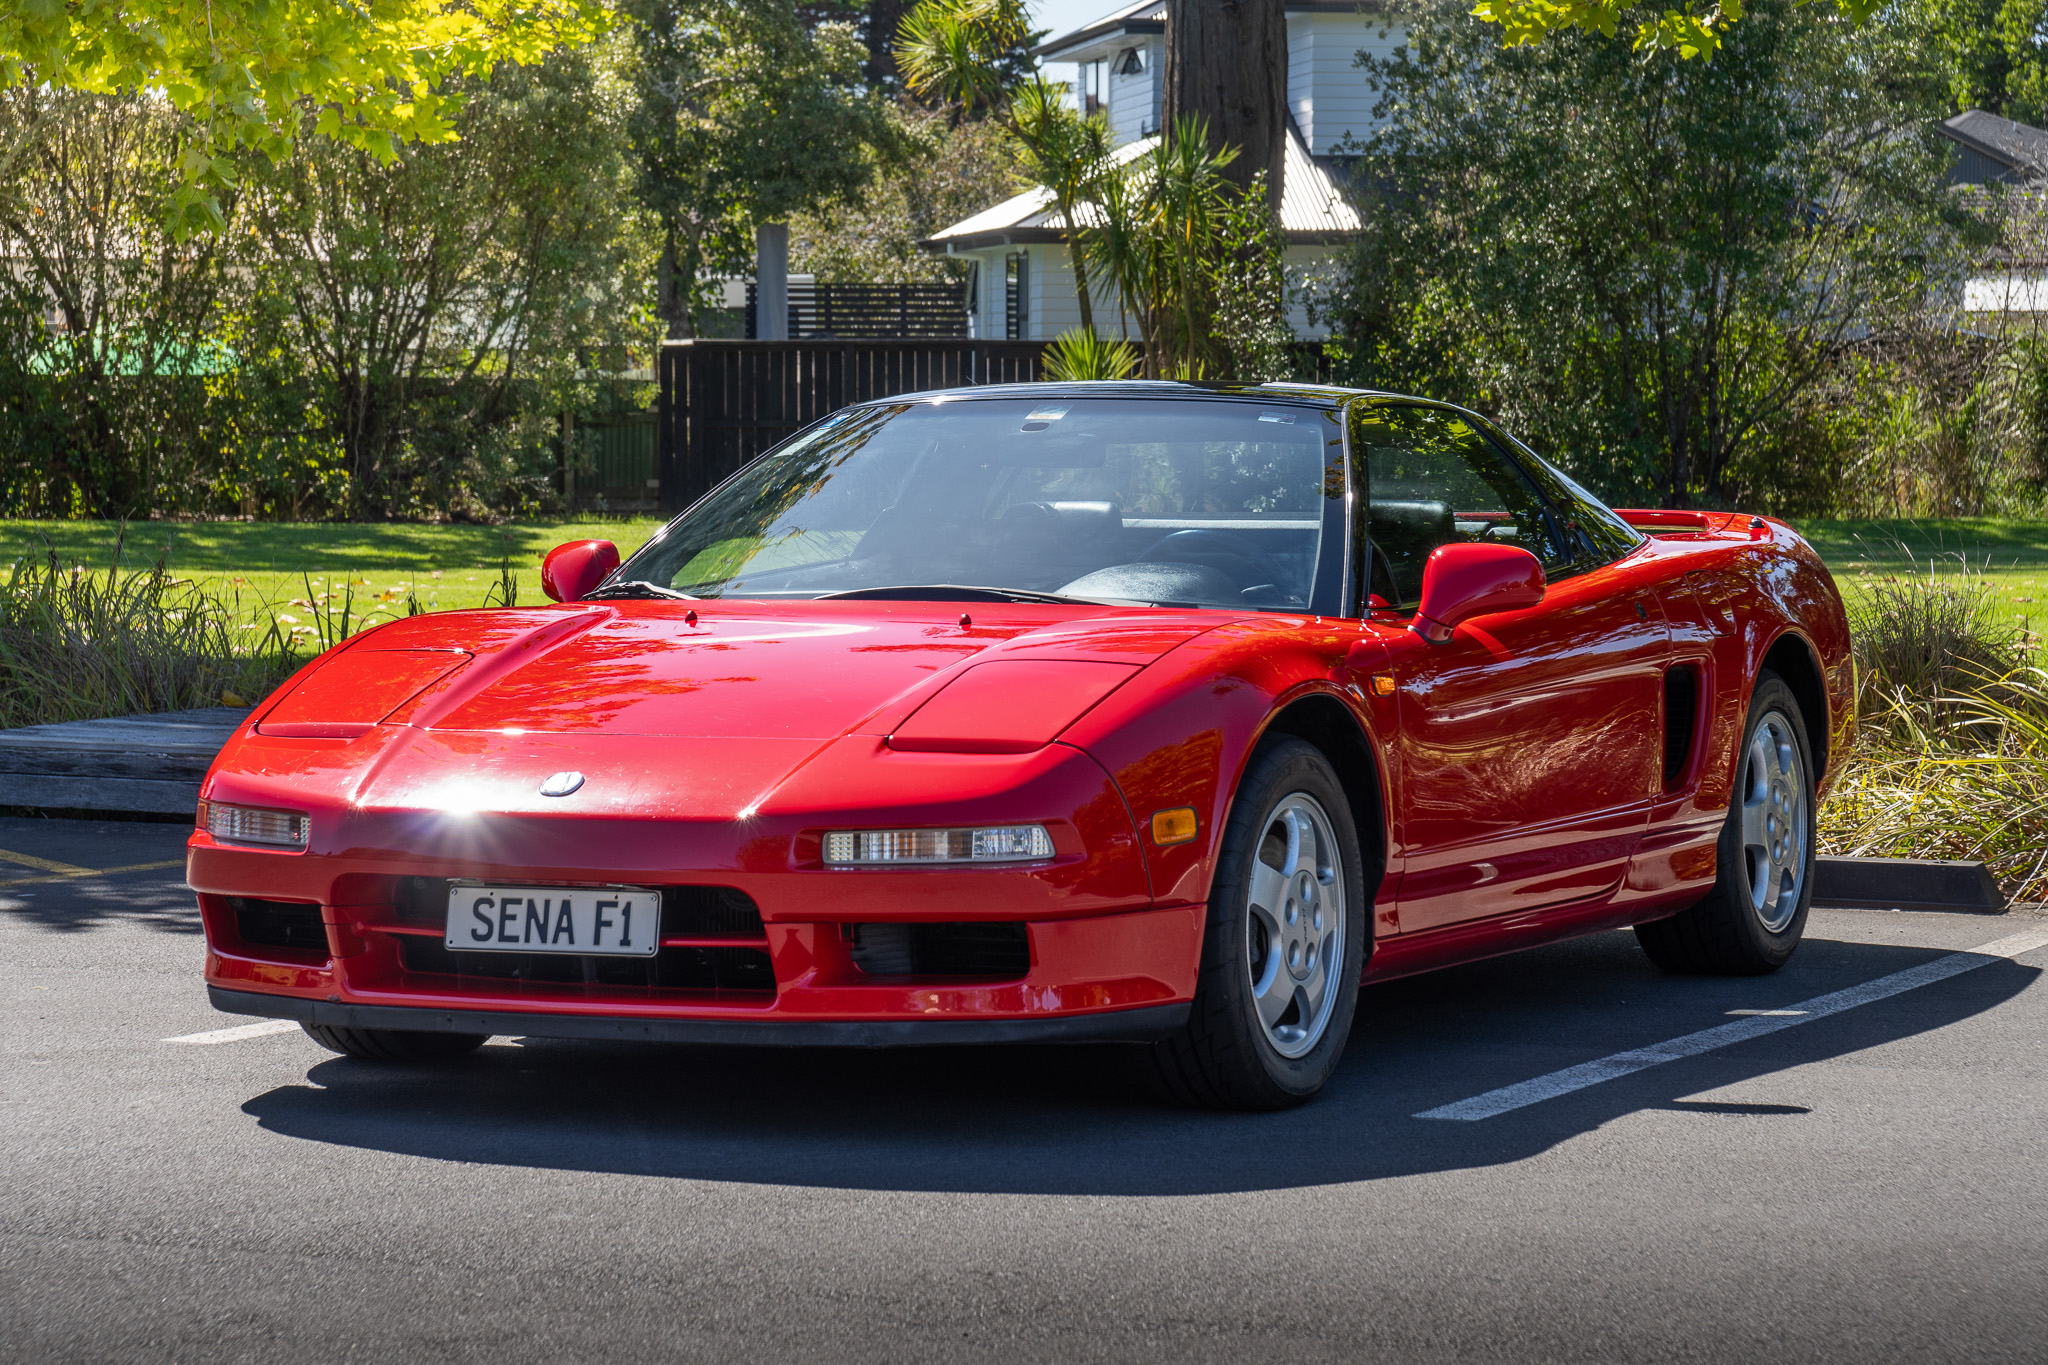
(1645, 266)
(412, 297)
(106, 344)
(744, 114)
(951, 171)
(1691, 29)
(1991, 54)
(1226, 69)
(376, 75)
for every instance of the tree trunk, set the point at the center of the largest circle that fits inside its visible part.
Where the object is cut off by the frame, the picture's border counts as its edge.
(1226, 62)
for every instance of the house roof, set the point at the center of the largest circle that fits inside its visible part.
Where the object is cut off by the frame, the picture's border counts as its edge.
(1312, 207)
(2018, 147)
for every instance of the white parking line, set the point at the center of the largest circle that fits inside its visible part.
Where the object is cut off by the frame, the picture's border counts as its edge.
(235, 1034)
(1742, 1030)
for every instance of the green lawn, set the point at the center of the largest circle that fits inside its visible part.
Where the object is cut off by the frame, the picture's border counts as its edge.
(274, 564)
(2011, 556)
(262, 565)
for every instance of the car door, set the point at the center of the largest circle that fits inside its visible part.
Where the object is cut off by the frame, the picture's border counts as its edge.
(1528, 745)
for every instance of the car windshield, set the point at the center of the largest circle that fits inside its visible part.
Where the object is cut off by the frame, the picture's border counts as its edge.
(1206, 502)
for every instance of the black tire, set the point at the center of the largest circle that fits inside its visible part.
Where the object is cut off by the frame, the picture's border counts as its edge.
(394, 1045)
(1225, 1057)
(1726, 934)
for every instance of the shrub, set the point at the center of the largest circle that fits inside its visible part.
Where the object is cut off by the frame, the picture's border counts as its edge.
(1952, 759)
(78, 644)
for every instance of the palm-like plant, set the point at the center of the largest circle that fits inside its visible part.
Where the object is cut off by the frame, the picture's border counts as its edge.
(1157, 234)
(1066, 154)
(951, 50)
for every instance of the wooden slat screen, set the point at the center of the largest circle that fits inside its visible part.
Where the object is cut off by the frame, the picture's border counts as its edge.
(724, 402)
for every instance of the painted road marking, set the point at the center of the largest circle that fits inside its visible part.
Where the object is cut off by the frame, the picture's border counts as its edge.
(43, 864)
(1769, 1014)
(77, 872)
(1585, 1074)
(237, 1033)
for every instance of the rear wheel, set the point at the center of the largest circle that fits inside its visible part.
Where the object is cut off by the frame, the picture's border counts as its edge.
(1752, 920)
(394, 1045)
(1282, 949)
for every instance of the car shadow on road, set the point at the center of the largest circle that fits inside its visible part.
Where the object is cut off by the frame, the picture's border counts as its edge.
(1080, 1120)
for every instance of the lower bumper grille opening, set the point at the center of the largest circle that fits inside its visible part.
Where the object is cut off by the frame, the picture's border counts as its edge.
(722, 970)
(998, 951)
(279, 924)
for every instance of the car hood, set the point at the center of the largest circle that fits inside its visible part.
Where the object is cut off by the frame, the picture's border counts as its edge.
(710, 671)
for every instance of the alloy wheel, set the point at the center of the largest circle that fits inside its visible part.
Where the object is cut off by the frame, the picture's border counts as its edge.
(1774, 821)
(1294, 932)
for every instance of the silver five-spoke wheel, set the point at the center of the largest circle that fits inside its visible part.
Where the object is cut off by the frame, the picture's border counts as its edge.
(1774, 821)
(1294, 931)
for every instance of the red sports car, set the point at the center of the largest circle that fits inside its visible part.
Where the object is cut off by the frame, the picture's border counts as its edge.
(1149, 712)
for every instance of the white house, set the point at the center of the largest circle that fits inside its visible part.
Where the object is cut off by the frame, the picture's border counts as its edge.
(1024, 287)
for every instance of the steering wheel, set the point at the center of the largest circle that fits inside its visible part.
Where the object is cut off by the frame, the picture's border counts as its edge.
(1197, 545)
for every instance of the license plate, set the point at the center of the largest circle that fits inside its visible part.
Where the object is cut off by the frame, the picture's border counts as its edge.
(612, 921)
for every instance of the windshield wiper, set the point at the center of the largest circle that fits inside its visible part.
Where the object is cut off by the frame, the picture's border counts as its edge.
(955, 592)
(639, 588)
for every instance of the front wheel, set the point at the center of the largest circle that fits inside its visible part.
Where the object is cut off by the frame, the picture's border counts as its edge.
(1283, 946)
(1752, 920)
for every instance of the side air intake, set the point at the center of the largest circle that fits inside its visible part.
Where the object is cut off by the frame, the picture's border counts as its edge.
(1681, 720)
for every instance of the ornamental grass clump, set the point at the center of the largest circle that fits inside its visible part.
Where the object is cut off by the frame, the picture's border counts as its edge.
(1952, 758)
(79, 644)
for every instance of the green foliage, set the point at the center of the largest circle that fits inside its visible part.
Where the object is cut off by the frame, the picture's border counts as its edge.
(962, 53)
(369, 338)
(1082, 354)
(743, 113)
(245, 73)
(949, 170)
(76, 645)
(1690, 30)
(1990, 54)
(1648, 268)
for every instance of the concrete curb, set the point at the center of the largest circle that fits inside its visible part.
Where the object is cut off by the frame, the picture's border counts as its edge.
(1906, 884)
(148, 765)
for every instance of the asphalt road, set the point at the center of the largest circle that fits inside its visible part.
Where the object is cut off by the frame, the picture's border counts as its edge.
(1866, 1185)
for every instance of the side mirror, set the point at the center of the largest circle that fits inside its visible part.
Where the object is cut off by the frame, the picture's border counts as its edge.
(571, 570)
(1473, 578)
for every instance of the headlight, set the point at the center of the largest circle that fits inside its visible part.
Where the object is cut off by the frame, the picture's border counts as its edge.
(250, 825)
(991, 844)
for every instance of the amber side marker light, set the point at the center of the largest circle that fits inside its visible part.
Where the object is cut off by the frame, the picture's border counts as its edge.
(251, 825)
(1176, 826)
(1383, 684)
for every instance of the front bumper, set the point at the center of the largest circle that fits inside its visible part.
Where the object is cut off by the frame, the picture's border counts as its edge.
(1145, 1024)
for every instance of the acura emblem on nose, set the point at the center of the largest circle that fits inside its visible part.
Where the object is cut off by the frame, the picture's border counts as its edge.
(561, 784)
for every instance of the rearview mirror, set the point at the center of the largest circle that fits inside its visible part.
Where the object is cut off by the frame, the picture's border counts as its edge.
(1474, 578)
(574, 569)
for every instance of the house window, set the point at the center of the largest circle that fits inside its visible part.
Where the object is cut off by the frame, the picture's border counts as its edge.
(1130, 63)
(1017, 295)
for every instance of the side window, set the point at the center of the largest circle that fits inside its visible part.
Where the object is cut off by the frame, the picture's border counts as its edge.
(1607, 536)
(1431, 479)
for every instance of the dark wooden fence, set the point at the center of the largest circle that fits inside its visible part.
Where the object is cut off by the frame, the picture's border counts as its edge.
(895, 311)
(724, 402)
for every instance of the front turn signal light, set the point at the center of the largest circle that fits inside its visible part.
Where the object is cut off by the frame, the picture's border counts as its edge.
(1176, 826)
(254, 825)
(900, 847)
